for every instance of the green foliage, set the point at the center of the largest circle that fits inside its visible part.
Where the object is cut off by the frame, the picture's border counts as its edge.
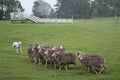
(42, 9)
(103, 8)
(88, 8)
(94, 36)
(75, 8)
(7, 6)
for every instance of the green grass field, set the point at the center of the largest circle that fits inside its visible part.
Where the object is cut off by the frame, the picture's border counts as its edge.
(94, 36)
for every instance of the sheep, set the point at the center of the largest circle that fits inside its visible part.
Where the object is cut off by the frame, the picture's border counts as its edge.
(58, 48)
(34, 53)
(37, 55)
(64, 59)
(30, 52)
(17, 46)
(48, 53)
(45, 56)
(92, 62)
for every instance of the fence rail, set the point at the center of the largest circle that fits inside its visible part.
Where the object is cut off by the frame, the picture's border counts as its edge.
(57, 20)
(24, 16)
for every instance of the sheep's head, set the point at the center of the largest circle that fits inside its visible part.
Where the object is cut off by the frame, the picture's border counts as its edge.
(54, 55)
(46, 52)
(79, 55)
(39, 48)
(60, 47)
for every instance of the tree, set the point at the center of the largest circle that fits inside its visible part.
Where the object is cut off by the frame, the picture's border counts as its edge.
(81, 8)
(75, 8)
(64, 8)
(7, 6)
(87, 8)
(41, 9)
(114, 6)
(105, 8)
(52, 14)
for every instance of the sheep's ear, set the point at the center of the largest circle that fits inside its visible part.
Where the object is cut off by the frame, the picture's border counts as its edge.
(53, 54)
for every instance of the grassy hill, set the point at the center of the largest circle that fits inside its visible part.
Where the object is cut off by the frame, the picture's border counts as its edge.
(94, 36)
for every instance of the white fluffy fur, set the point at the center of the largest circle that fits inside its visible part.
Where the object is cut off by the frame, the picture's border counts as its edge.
(17, 46)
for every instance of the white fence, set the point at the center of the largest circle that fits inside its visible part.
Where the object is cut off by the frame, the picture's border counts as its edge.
(54, 20)
(24, 16)
(49, 20)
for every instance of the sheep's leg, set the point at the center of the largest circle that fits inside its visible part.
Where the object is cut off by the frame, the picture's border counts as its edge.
(94, 70)
(39, 61)
(46, 63)
(88, 69)
(30, 58)
(60, 67)
(67, 66)
(35, 59)
(105, 69)
(51, 63)
(55, 65)
(102, 68)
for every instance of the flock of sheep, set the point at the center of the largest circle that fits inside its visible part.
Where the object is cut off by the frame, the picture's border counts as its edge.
(57, 56)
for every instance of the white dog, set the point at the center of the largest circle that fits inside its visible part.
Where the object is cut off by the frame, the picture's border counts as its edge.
(17, 46)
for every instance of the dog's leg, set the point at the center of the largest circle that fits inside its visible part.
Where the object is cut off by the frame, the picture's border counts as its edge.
(21, 50)
(16, 50)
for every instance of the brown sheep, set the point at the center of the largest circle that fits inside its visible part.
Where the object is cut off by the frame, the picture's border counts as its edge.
(92, 62)
(55, 49)
(30, 52)
(64, 59)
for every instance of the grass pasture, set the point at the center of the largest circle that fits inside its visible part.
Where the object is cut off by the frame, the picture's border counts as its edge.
(96, 36)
